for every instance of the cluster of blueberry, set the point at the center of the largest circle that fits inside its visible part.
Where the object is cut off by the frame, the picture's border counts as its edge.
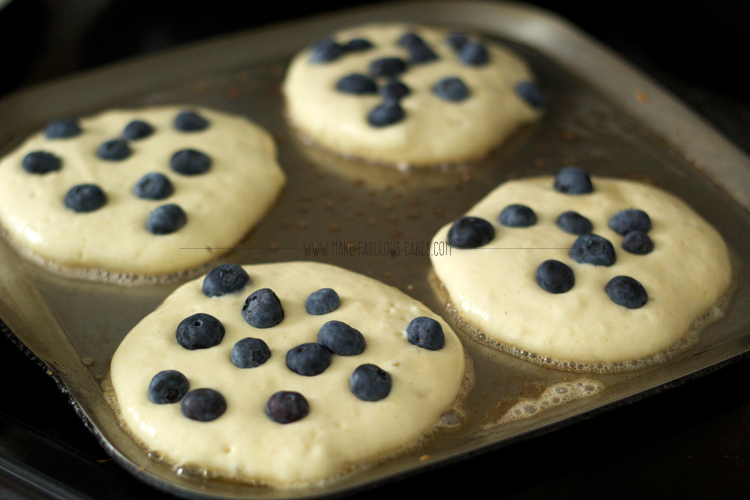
(262, 309)
(83, 198)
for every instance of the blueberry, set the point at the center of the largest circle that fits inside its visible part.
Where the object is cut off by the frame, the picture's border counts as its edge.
(137, 129)
(573, 180)
(531, 93)
(168, 386)
(474, 54)
(223, 279)
(470, 232)
(574, 223)
(285, 407)
(370, 383)
(628, 220)
(357, 45)
(388, 66)
(263, 309)
(308, 359)
(421, 54)
(410, 40)
(250, 353)
(326, 51)
(357, 83)
(341, 339)
(188, 121)
(41, 162)
(386, 114)
(203, 405)
(153, 186)
(627, 292)
(426, 333)
(554, 276)
(394, 91)
(190, 162)
(166, 219)
(593, 249)
(114, 150)
(451, 89)
(457, 41)
(62, 129)
(199, 331)
(638, 243)
(322, 301)
(85, 198)
(517, 216)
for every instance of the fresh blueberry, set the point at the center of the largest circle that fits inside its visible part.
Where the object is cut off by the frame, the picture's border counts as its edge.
(470, 232)
(410, 40)
(386, 114)
(357, 83)
(451, 89)
(166, 219)
(341, 339)
(137, 129)
(190, 162)
(250, 353)
(357, 45)
(285, 407)
(394, 91)
(188, 121)
(223, 279)
(326, 51)
(628, 220)
(638, 242)
(153, 186)
(627, 292)
(62, 129)
(41, 162)
(199, 331)
(573, 180)
(426, 333)
(370, 383)
(531, 93)
(308, 359)
(421, 54)
(85, 198)
(203, 405)
(574, 223)
(474, 54)
(457, 41)
(554, 276)
(114, 150)
(517, 216)
(168, 386)
(263, 309)
(593, 249)
(388, 66)
(322, 301)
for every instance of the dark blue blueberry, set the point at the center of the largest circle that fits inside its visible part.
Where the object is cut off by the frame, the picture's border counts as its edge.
(263, 309)
(250, 353)
(573, 180)
(62, 129)
(223, 279)
(470, 232)
(153, 186)
(410, 40)
(203, 405)
(638, 242)
(593, 249)
(137, 129)
(531, 93)
(190, 162)
(357, 83)
(199, 331)
(388, 66)
(188, 121)
(341, 339)
(308, 359)
(574, 223)
(457, 41)
(554, 276)
(114, 150)
(628, 220)
(168, 387)
(627, 292)
(421, 54)
(286, 407)
(357, 45)
(41, 162)
(322, 301)
(451, 89)
(394, 91)
(386, 114)
(370, 383)
(166, 219)
(517, 216)
(474, 54)
(426, 333)
(326, 51)
(85, 198)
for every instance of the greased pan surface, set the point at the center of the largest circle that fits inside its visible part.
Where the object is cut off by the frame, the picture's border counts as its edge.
(602, 115)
